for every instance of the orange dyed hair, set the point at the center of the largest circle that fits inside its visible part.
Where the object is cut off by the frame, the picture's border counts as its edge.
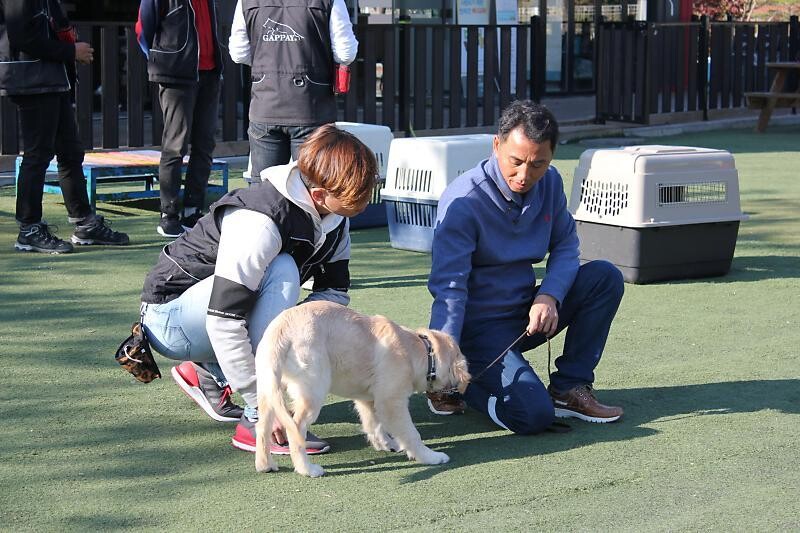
(338, 162)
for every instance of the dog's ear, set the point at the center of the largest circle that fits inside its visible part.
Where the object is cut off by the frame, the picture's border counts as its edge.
(451, 358)
(461, 372)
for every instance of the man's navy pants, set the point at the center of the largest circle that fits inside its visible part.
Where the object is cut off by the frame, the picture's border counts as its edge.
(510, 392)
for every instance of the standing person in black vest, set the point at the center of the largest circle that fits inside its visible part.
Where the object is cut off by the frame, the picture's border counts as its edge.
(293, 49)
(179, 38)
(38, 50)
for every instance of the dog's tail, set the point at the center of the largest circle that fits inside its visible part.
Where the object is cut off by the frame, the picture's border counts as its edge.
(270, 359)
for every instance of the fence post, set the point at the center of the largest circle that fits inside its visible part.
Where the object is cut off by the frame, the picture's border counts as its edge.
(84, 92)
(599, 81)
(109, 82)
(648, 73)
(538, 58)
(702, 65)
(137, 84)
(404, 78)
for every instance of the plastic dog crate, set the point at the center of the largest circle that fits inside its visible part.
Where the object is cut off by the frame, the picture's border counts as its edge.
(379, 140)
(658, 212)
(419, 170)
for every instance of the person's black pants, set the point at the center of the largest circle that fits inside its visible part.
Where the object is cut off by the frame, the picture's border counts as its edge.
(49, 128)
(190, 117)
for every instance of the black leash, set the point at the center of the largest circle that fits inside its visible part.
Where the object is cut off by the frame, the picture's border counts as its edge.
(557, 426)
(524, 334)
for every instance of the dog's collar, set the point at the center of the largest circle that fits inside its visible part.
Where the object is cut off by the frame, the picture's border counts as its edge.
(431, 375)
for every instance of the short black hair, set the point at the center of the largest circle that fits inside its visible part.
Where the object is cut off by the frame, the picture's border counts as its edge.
(537, 122)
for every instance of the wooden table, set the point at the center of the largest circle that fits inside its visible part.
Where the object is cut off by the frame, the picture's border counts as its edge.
(127, 166)
(775, 97)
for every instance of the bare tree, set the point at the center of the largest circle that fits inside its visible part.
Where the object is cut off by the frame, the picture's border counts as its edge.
(750, 6)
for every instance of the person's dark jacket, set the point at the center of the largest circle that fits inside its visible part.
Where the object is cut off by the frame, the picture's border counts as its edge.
(32, 59)
(292, 62)
(167, 35)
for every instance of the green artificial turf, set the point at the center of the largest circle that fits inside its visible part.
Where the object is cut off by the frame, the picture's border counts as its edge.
(707, 371)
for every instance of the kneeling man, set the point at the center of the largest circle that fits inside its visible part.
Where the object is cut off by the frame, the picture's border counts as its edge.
(494, 222)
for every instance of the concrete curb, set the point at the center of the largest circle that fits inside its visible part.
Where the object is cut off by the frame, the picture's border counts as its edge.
(580, 130)
(717, 124)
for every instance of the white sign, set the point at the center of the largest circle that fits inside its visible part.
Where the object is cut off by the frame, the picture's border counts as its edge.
(506, 11)
(473, 12)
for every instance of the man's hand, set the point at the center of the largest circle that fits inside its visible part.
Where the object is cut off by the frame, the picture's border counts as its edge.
(543, 316)
(84, 53)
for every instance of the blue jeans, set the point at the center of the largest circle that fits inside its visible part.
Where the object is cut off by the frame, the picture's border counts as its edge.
(177, 329)
(272, 145)
(510, 392)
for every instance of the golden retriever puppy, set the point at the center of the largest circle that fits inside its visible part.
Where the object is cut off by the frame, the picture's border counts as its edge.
(320, 347)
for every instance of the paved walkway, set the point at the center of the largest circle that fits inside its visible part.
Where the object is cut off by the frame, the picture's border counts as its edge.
(576, 118)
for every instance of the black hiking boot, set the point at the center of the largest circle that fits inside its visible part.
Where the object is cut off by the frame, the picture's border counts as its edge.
(94, 230)
(37, 238)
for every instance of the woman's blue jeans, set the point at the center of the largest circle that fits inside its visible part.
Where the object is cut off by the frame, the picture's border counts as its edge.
(177, 329)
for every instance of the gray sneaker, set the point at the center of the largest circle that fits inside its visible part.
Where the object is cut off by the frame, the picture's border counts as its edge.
(245, 439)
(200, 386)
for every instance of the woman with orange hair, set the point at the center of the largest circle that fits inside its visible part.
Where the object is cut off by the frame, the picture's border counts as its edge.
(214, 290)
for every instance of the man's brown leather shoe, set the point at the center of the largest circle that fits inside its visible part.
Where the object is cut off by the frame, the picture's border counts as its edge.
(445, 403)
(580, 402)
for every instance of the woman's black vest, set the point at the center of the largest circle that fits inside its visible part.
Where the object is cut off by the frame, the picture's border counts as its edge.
(193, 256)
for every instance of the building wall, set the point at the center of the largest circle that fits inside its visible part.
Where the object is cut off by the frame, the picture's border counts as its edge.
(119, 10)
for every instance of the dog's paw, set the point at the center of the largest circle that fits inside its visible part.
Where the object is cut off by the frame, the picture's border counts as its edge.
(383, 443)
(392, 444)
(430, 457)
(313, 471)
(378, 443)
(266, 466)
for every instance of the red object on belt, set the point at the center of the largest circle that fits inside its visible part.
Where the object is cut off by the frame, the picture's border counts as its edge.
(205, 38)
(341, 79)
(68, 35)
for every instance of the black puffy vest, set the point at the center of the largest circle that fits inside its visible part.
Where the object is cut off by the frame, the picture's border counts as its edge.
(193, 256)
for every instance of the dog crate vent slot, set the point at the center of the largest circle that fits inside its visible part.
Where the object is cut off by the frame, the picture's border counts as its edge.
(709, 192)
(415, 214)
(413, 179)
(604, 198)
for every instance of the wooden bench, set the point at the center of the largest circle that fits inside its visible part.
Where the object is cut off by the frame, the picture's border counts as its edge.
(768, 101)
(129, 166)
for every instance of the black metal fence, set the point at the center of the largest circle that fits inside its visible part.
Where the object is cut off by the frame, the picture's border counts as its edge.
(646, 70)
(411, 78)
